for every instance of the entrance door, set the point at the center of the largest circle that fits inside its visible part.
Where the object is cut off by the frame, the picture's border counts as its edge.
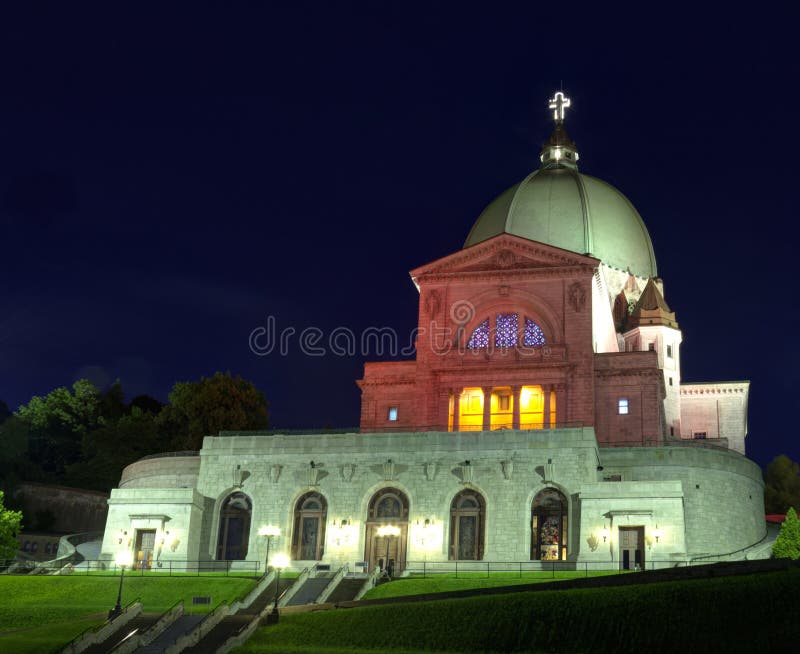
(145, 544)
(631, 548)
(383, 550)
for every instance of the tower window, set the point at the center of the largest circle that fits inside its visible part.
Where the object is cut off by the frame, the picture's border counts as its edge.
(392, 413)
(622, 406)
(670, 381)
(669, 351)
(651, 347)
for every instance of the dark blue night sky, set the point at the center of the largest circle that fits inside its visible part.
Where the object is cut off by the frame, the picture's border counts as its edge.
(170, 178)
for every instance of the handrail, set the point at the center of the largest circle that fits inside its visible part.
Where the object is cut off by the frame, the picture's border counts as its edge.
(332, 584)
(741, 549)
(75, 645)
(290, 592)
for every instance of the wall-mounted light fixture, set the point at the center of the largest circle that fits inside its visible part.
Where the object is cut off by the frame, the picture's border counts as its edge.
(121, 536)
(605, 533)
(657, 533)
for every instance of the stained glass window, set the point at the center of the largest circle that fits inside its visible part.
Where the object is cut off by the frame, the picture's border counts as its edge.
(480, 337)
(507, 326)
(534, 336)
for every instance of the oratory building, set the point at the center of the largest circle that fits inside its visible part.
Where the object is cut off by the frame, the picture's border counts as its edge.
(543, 419)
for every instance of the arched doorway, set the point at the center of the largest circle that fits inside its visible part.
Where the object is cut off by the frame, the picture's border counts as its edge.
(234, 528)
(308, 535)
(387, 508)
(467, 520)
(549, 526)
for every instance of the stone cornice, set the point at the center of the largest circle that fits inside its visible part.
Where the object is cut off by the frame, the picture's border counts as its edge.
(721, 388)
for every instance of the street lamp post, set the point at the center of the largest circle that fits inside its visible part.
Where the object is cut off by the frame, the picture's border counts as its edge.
(123, 558)
(387, 531)
(270, 531)
(279, 562)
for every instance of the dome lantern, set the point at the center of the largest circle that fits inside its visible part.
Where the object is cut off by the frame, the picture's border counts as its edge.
(559, 150)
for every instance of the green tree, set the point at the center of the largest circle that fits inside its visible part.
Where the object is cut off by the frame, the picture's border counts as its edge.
(5, 412)
(112, 446)
(781, 485)
(57, 423)
(10, 524)
(205, 407)
(787, 545)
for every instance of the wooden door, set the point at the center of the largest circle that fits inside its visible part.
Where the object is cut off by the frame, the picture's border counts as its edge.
(376, 548)
(145, 545)
(631, 548)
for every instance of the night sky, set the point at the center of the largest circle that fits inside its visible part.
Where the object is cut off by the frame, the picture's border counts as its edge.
(168, 181)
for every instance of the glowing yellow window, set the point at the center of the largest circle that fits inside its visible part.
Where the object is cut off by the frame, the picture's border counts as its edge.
(470, 410)
(502, 408)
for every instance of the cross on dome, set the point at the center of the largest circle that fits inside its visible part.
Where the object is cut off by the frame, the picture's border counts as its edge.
(559, 103)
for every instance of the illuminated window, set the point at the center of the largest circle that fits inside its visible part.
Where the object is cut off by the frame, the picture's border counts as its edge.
(480, 337)
(506, 333)
(622, 406)
(392, 413)
(534, 336)
(507, 327)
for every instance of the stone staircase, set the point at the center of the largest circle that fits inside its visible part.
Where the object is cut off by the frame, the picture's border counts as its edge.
(174, 631)
(232, 625)
(347, 589)
(310, 590)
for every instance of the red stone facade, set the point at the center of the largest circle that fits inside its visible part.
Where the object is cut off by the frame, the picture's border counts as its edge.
(537, 282)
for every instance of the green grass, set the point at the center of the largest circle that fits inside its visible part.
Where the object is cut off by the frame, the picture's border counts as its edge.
(51, 611)
(731, 614)
(440, 583)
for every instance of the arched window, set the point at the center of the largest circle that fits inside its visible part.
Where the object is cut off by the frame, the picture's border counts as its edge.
(549, 526)
(467, 519)
(234, 528)
(388, 505)
(506, 333)
(308, 535)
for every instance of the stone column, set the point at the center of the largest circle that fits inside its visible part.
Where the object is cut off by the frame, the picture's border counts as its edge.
(487, 407)
(561, 403)
(456, 407)
(515, 393)
(546, 388)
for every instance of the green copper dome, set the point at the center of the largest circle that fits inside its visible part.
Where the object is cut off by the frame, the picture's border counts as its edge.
(559, 206)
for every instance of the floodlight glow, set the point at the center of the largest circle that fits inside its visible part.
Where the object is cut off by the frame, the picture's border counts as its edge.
(269, 530)
(280, 561)
(388, 530)
(124, 558)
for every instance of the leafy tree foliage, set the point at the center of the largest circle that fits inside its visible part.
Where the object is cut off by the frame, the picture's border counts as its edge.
(5, 412)
(781, 485)
(787, 545)
(10, 524)
(111, 447)
(58, 421)
(213, 404)
(84, 436)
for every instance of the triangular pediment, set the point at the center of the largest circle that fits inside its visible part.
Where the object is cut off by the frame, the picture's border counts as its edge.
(502, 253)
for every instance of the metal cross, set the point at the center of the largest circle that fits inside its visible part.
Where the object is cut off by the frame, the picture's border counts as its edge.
(558, 103)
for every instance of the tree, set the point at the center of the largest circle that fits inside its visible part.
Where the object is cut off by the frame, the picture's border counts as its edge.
(787, 545)
(208, 406)
(58, 421)
(781, 485)
(109, 448)
(5, 412)
(10, 524)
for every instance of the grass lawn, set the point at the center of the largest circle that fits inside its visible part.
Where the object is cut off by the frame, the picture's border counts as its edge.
(46, 611)
(747, 613)
(440, 583)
